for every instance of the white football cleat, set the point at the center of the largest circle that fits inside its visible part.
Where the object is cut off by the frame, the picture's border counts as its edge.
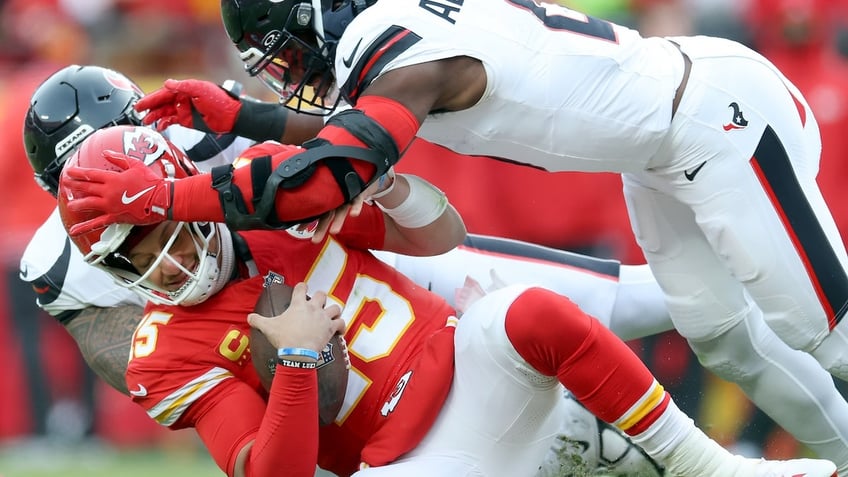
(786, 468)
(587, 446)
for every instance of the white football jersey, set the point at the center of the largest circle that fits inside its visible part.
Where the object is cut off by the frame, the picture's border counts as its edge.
(591, 283)
(564, 91)
(63, 282)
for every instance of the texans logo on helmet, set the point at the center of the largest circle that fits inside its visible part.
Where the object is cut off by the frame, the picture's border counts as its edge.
(73, 139)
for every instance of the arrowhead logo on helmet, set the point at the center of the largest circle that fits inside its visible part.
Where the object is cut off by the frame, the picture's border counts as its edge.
(111, 246)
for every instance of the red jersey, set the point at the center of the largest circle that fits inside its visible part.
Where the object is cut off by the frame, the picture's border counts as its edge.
(186, 361)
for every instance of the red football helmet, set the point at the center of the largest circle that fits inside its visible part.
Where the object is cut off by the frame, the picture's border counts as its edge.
(108, 248)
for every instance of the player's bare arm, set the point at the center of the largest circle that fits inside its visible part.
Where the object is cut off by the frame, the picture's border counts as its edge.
(103, 336)
(419, 219)
(300, 127)
(422, 89)
(451, 84)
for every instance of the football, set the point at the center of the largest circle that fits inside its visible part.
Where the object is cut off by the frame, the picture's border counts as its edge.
(332, 365)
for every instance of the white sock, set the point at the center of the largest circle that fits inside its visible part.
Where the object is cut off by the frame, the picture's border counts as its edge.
(682, 448)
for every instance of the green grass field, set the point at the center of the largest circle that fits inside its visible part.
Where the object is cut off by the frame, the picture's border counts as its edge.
(41, 459)
(44, 460)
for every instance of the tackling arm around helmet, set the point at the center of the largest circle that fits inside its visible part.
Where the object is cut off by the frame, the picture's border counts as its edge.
(291, 173)
(284, 185)
(277, 169)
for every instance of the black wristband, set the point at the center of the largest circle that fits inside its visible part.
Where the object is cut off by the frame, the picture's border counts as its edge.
(260, 121)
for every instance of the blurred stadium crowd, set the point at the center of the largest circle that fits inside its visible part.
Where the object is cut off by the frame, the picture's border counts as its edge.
(48, 392)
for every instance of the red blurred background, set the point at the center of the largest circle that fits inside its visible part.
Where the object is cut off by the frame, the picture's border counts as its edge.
(47, 389)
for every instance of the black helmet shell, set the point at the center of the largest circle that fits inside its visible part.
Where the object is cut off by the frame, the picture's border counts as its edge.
(68, 107)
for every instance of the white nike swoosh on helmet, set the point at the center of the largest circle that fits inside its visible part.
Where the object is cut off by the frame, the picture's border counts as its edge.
(125, 199)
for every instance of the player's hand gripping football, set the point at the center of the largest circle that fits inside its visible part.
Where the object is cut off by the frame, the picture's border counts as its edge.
(135, 195)
(195, 104)
(306, 323)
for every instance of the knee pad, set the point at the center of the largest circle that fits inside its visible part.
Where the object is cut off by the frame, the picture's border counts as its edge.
(832, 353)
(732, 356)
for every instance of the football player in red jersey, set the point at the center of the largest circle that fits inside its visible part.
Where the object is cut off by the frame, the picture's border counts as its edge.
(67, 106)
(425, 395)
(719, 173)
(101, 316)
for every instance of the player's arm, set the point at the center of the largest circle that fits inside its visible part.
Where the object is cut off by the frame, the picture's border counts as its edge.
(419, 220)
(103, 336)
(290, 186)
(280, 438)
(224, 109)
(283, 185)
(98, 314)
(287, 440)
(246, 436)
(403, 214)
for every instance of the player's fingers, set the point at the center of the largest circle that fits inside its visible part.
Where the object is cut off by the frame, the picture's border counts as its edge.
(318, 299)
(356, 205)
(78, 229)
(337, 325)
(154, 100)
(147, 121)
(166, 122)
(299, 292)
(117, 158)
(87, 226)
(150, 118)
(78, 176)
(339, 219)
(333, 311)
(265, 324)
(256, 320)
(186, 86)
(154, 115)
(192, 90)
(322, 227)
(181, 87)
(86, 204)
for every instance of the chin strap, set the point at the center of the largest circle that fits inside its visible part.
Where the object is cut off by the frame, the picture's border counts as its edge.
(242, 251)
(228, 259)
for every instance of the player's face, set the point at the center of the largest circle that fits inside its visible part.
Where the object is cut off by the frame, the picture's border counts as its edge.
(171, 251)
(289, 75)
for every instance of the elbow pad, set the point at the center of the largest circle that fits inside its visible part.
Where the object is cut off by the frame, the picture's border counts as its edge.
(380, 150)
(292, 172)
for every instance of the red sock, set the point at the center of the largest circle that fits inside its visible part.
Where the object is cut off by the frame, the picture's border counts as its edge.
(558, 339)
